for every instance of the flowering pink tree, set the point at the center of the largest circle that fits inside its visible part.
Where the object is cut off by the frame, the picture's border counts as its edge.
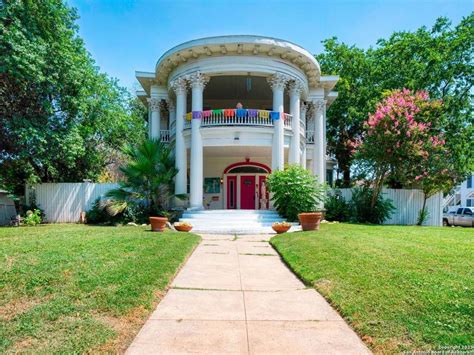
(403, 139)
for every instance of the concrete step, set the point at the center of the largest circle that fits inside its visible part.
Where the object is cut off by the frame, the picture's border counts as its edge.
(231, 221)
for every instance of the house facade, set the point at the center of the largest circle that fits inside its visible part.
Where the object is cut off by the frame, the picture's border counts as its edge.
(237, 108)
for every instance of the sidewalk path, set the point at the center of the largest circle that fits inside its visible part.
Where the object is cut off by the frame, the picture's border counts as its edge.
(235, 295)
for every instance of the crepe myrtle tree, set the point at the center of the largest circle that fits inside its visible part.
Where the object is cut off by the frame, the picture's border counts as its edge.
(404, 139)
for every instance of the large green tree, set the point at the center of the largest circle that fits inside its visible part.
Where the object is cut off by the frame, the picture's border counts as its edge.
(438, 60)
(60, 118)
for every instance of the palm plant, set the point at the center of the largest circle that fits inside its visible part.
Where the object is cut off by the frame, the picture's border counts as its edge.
(149, 175)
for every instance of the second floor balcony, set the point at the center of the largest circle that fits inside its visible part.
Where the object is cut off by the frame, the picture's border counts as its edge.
(238, 117)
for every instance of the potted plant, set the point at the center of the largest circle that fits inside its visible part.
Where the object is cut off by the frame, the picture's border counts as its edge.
(281, 227)
(149, 175)
(297, 195)
(183, 226)
(310, 221)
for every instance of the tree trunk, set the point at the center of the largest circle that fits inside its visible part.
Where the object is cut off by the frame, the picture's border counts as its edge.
(346, 180)
(420, 220)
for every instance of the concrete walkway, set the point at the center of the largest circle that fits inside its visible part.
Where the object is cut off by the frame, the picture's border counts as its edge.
(235, 295)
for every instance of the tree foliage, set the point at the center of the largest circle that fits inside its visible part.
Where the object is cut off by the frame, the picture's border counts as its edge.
(402, 138)
(149, 175)
(60, 118)
(438, 60)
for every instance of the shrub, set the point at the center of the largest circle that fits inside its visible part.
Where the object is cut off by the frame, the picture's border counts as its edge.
(337, 208)
(295, 190)
(134, 212)
(32, 218)
(360, 209)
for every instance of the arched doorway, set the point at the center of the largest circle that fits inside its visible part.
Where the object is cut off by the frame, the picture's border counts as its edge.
(245, 186)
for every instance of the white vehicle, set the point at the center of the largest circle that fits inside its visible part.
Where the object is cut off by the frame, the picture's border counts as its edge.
(463, 216)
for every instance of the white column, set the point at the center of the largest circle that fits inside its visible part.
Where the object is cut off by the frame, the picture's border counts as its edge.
(179, 87)
(277, 83)
(172, 114)
(198, 82)
(319, 155)
(303, 109)
(154, 122)
(295, 93)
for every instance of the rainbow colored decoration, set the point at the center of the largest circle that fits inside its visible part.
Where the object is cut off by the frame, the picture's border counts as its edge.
(238, 113)
(274, 115)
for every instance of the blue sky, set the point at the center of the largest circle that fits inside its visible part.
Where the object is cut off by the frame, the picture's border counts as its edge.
(128, 35)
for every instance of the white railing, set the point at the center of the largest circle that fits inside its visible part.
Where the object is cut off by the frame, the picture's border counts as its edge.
(309, 137)
(229, 118)
(165, 135)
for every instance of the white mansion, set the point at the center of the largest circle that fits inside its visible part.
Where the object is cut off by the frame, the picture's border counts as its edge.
(236, 108)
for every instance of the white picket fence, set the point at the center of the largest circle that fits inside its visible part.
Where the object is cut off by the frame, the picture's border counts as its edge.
(408, 203)
(64, 202)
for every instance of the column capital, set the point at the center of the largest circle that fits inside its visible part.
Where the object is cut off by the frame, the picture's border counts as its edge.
(319, 105)
(296, 87)
(179, 85)
(278, 81)
(198, 80)
(154, 103)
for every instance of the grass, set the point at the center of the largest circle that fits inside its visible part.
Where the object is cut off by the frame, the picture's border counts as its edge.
(75, 288)
(401, 288)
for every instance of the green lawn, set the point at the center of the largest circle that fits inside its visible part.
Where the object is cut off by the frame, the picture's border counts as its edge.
(401, 288)
(75, 288)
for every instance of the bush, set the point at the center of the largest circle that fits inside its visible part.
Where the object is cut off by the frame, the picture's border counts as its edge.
(134, 212)
(32, 218)
(360, 209)
(337, 208)
(295, 190)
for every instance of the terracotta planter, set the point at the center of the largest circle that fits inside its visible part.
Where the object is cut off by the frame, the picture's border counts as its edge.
(158, 224)
(281, 229)
(183, 228)
(310, 220)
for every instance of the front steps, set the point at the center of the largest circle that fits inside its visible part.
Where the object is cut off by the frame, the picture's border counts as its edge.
(231, 221)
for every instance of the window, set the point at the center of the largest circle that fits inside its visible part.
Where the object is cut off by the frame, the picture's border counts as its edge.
(248, 169)
(469, 202)
(459, 211)
(469, 182)
(467, 211)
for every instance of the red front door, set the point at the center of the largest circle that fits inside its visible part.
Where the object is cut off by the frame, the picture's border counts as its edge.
(247, 192)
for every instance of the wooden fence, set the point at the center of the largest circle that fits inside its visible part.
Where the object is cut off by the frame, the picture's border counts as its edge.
(64, 202)
(408, 203)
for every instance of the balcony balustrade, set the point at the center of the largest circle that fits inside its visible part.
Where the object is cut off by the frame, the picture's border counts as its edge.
(231, 117)
(165, 135)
